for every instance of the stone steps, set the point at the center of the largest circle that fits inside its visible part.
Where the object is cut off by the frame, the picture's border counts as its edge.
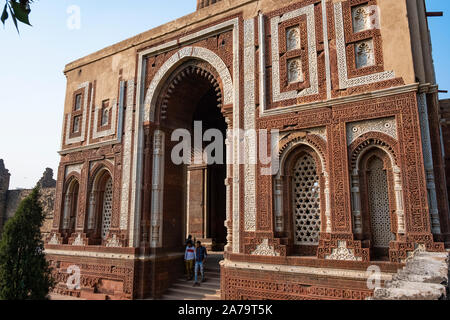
(208, 290)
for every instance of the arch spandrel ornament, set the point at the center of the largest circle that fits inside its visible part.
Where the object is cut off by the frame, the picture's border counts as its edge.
(176, 60)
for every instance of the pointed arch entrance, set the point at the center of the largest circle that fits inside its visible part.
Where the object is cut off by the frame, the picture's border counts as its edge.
(189, 198)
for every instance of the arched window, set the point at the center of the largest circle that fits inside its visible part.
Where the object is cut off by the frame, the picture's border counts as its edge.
(300, 191)
(376, 201)
(105, 117)
(100, 207)
(306, 201)
(70, 209)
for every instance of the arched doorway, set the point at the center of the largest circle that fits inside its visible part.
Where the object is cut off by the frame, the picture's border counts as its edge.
(100, 207)
(378, 218)
(194, 193)
(378, 226)
(70, 209)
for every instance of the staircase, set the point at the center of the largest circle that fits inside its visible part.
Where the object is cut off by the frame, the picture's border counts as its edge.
(209, 290)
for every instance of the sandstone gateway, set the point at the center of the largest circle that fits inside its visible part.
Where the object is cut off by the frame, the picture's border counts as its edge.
(350, 87)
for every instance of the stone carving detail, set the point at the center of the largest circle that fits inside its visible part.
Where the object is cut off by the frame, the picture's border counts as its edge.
(193, 52)
(126, 162)
(54, 240)
(264, 249)
(157, 189)
(293, 38)
(250, 140)
(341, 253)
(295, 71)
(386, 125)
(362, 20)
(312, 55)
(78, 241)
(74, 168)
(112, 110)
(344, 81)
(319, 131)
(364, 54)
(113, 242)
(81, 138)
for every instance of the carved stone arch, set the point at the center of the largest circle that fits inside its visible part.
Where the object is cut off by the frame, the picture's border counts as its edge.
(189, 68)
(369, 146)
(100, 185)
(291, 149)
(70, 205)
(373, 140)
(293, 140)
(96, 170)
(180, 57)
(71, 177)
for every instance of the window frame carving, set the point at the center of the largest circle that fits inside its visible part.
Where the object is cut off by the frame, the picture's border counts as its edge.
(76, 114)
(352, 39)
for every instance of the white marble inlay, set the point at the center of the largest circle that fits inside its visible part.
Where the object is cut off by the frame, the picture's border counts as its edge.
(387, 126)
(312, 55)
(344, 81)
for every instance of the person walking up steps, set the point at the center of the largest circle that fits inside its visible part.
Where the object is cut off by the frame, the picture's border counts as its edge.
(189, 260)
(200, 259)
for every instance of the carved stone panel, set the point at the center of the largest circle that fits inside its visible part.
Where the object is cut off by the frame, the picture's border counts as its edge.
(365, 54)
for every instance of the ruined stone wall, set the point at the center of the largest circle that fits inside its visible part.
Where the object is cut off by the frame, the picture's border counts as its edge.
(4, 186)
(425, 277)
(14, 197)
(10, 199)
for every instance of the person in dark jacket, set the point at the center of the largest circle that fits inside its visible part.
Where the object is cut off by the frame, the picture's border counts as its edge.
(200, 259)
(189, 240)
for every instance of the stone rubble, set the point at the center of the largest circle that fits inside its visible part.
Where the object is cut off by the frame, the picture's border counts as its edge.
(425, 277)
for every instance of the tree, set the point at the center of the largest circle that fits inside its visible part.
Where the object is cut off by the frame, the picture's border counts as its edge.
(24, 272)
(19, 10)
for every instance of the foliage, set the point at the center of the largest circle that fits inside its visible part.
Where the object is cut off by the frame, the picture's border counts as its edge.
(18, 10)
(24, 272)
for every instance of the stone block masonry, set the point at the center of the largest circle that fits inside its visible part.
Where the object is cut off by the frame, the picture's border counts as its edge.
(10, 199)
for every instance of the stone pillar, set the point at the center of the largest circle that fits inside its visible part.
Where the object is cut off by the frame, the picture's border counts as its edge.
(67, 208)
(400, 210)
(356, 203)
(91, 211)
(157, 190)
(327, 202)
(278, 204)
(228, 185)
(147, 188)
(428, 162)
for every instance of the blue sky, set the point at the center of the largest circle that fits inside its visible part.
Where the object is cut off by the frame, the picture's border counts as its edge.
(32, 85)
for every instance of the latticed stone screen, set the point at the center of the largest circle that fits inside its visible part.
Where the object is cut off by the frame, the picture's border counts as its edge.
(107, 208)
(306, 201)
(379, 204)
